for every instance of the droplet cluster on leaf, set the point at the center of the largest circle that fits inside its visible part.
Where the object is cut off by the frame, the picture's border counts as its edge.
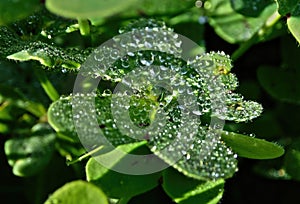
(160, 98)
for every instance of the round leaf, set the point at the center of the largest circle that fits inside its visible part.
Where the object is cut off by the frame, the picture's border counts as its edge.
(250, 147)
(79, 192)
(87, 8)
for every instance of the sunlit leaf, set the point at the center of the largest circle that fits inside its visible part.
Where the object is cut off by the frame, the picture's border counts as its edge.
(293, 23)
(250, 147)
(87, 8)
(49, 56)
(80, 192)
(234, 27)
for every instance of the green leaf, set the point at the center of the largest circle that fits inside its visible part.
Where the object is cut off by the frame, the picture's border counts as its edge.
(29, 155)
(61, 118)
(151, 8)
(293, 23)
(207, 158)
(250, 147)
(286, 6)
(50, 56)
(16, 10)
(234, 27)
(12, 47)
(292, 160)
(250, 8)
(115, 184)
(80, 192)
(157, 7)
(291, 8)
(281, 84)
(185, 190)
(87, 8)
(4, 128)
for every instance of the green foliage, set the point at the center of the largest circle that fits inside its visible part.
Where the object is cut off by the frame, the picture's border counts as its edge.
(292, 10)
(44, 118)
(188, 191)
(28, 155)
(285, 7)
(250, 8)
(88, 8)
(235, 27)
(80, 192)
(127, 185)
(15, 10)
(250, 147)
(293, 23)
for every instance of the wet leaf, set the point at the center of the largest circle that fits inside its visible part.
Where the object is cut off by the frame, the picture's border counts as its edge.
(80, 192)
(49, 56)
(12, 47)
(202, 156)
(61, 117)
(250, 147)
(155, 114)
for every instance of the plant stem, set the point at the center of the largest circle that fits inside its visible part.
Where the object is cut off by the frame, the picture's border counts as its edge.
(46, 84)
(84, 27)
(243, 48)
(85, 155)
